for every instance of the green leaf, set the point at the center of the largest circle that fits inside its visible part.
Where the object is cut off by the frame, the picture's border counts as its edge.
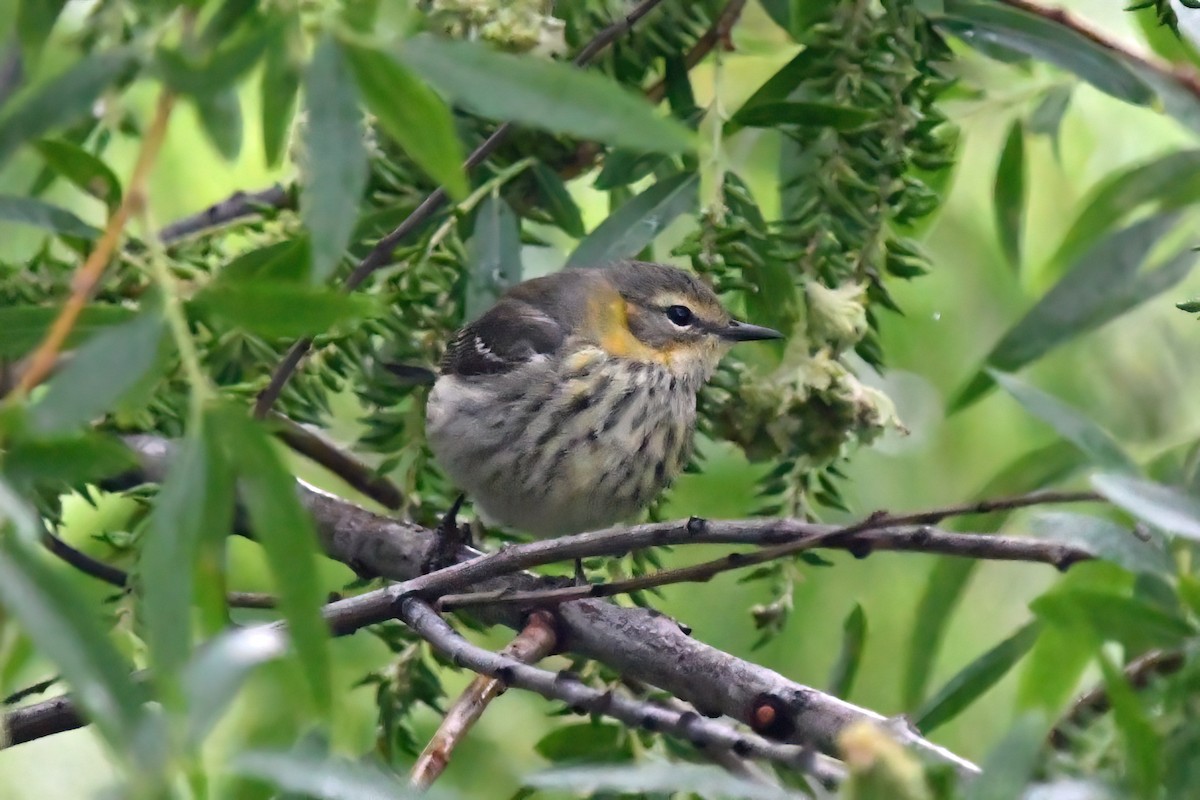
(217, 671)
(1048, 41)
(25, 326)
(413, 115)
(62, 461)
(102, 371)
(276, 309)
(1105, 616)
(586, 741)
(1008, 767)
(321, 778)
(335, 173)
(777, 88)
(557, 201)
(1143, 743)
(65, 628)
(1068, 423)
(825, 115)
(950, 576)
(1102, 286)
(1046, 119)
(637, 222)
(278, 89)
(218, 70)
(220, 116)
(62, 100)
(1106, 539)
(975, 679)
(1165, 507)
(655, 779)
(1008, 194)
(943, 592)
(288, 539)
(544, 94)
(82, 169)
(195, 501)
(495, 255)
(35, 21)
(39, 214)
(1169, 182)
(286, 261)
(854, 634)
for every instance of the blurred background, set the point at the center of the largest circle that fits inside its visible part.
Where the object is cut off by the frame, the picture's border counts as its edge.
(1134, 376)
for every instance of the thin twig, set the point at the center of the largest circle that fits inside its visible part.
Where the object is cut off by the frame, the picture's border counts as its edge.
(1185, 77)
(1095, 701)
(362, 477)
(381, 253)
(717, 34)
(116, 576)
(238, 205)
(828, 538)
(42, 361)
(30, 691)
(536, 640)
(581, 698)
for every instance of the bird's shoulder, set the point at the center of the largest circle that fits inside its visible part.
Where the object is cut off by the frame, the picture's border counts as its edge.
(508, 335)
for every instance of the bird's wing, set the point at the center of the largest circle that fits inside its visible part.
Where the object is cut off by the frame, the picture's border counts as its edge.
(511, 333)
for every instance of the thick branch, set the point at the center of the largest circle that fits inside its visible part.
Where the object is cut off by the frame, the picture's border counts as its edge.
(236, 206)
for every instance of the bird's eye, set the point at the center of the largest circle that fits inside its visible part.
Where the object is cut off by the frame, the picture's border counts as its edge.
(680, 315)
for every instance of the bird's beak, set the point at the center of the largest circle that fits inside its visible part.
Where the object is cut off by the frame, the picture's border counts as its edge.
(745, 332)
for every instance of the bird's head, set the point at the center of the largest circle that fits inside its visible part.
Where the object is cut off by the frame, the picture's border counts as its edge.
(662, 314)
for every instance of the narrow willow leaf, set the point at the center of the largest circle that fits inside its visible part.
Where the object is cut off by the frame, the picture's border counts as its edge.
(854, 635)
(277, 309)
(636, 223)
(1008, 194)
(1166, 507)
(1143, 743)
(286, 534)
(101, 372)
(1068, 423)
(1008, 767)
(950, 576)
(1048, 41)
(321, 778)
(1104, 284)
(1105, 616)
(557, 200)
(278, 89)
(62, 100)
(777, 88)
(65, 627)
(1047, 117)
(495, 255)
(287, 261)
(544, 94)
(220, 116)
(824, 115)
(82, 169)
(39, 214)
(974, 680)
(593, 742)
(650, 779)
(196, 500)
(63, 461)
(335, 157)
(1106, 539)
(218, 70)
(217, 671)
(35, 20)
(412, 114)
(1169, 182)
(25, 326)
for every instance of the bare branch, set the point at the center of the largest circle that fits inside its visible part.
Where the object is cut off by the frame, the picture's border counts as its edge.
(381, 253)
(536, 640)
(238, 205)
(716, 35)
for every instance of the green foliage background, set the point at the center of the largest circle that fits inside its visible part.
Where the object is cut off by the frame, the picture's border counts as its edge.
(1135, 377)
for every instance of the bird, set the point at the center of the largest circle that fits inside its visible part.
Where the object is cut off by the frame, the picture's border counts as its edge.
(570, 404)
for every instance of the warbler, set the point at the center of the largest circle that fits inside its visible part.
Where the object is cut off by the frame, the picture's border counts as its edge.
(571, 403)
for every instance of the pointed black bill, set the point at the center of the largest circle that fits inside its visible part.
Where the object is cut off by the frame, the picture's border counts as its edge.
(745, 332)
